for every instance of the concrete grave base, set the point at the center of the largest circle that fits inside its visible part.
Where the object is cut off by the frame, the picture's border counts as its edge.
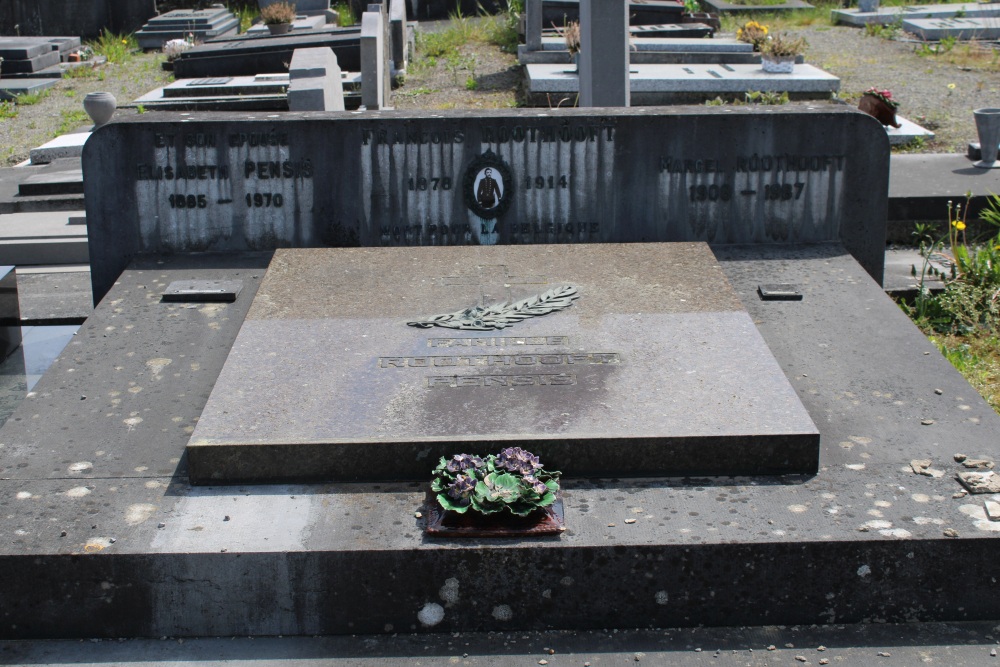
(907, 132)
(722, 6)
(665, 84)
(11, 88)
(889, 15)
(64, 146)
(964, 28)
(114, 542)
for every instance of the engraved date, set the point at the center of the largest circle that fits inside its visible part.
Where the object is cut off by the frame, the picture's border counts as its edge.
(187, 201)
(433, 183)
(265, 200)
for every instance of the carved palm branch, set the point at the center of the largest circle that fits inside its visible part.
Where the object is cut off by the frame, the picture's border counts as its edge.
(502, 315)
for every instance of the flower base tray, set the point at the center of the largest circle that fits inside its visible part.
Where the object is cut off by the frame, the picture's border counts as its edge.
(444, 523)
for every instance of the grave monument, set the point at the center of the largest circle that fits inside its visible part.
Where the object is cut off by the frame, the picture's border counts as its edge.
(643, 351)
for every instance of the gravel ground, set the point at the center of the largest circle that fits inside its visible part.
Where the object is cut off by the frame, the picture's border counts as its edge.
(938, 92)
(61, 108)
(921, 84)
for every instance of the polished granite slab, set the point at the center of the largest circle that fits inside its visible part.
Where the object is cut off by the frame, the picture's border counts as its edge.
(646, 364)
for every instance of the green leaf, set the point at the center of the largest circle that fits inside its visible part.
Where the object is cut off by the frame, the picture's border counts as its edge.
(546, 500)
(438, 485)
(484, 506)
(449, 504)
(553, 485)
(521, 509)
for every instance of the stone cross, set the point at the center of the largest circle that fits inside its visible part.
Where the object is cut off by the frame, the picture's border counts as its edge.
(494, 283)
(604, 57)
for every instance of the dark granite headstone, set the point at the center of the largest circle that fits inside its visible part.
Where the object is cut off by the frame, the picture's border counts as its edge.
(634, 359)
(201, 25)
(247, 57)
(33, 64)
(640, 12)
(155, 183)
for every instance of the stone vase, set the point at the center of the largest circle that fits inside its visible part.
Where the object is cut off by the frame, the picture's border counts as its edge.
(279, 28)
(777, 64)
(882, 112)
(988, 128)
(100, 107)
(868, 6)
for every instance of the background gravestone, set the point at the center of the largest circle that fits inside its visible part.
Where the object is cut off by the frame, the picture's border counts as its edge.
(604, 59)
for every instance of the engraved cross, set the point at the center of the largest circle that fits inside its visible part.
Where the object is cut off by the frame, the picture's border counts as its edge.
(494, 283)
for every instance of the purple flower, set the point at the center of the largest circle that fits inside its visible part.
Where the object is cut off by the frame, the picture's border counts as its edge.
(515, 459)
(536, 485)
(463, 462)
(462, 487)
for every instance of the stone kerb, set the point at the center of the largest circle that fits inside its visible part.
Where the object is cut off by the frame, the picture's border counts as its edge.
(154, 185)
(315, 81)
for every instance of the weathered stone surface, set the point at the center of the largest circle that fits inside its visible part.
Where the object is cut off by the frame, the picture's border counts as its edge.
(655, 369)
(722, 175)
(373, 64)
(316, 82)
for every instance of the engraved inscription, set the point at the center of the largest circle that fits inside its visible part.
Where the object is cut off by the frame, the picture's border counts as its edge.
(539, 380)
(496, 360)
(495, 341)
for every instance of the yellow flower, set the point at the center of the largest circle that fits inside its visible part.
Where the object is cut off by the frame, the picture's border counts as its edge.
(954, 223)
(951, 86)
(959, 225)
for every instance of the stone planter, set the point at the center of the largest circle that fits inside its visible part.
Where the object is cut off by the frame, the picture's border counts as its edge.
(100, 107)
(882, 112)
(777, 64)
(279, 28)
(988, 128)
(868, 6)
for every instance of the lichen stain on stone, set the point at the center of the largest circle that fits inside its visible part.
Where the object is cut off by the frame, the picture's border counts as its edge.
(431, 614)
(157, 365)
(449, 592)
(979, 519)
(136, 514)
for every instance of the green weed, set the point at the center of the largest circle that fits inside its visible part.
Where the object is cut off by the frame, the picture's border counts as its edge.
(80, 72)
(247, 14)
(345, 15)
(29, 99)
(8, 109)
(71, 119)
(765, 97)
(116, 48)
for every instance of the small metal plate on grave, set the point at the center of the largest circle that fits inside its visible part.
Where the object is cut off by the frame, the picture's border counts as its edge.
(224, 291)
(370, 363)
(779, 292)
(215, 81)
